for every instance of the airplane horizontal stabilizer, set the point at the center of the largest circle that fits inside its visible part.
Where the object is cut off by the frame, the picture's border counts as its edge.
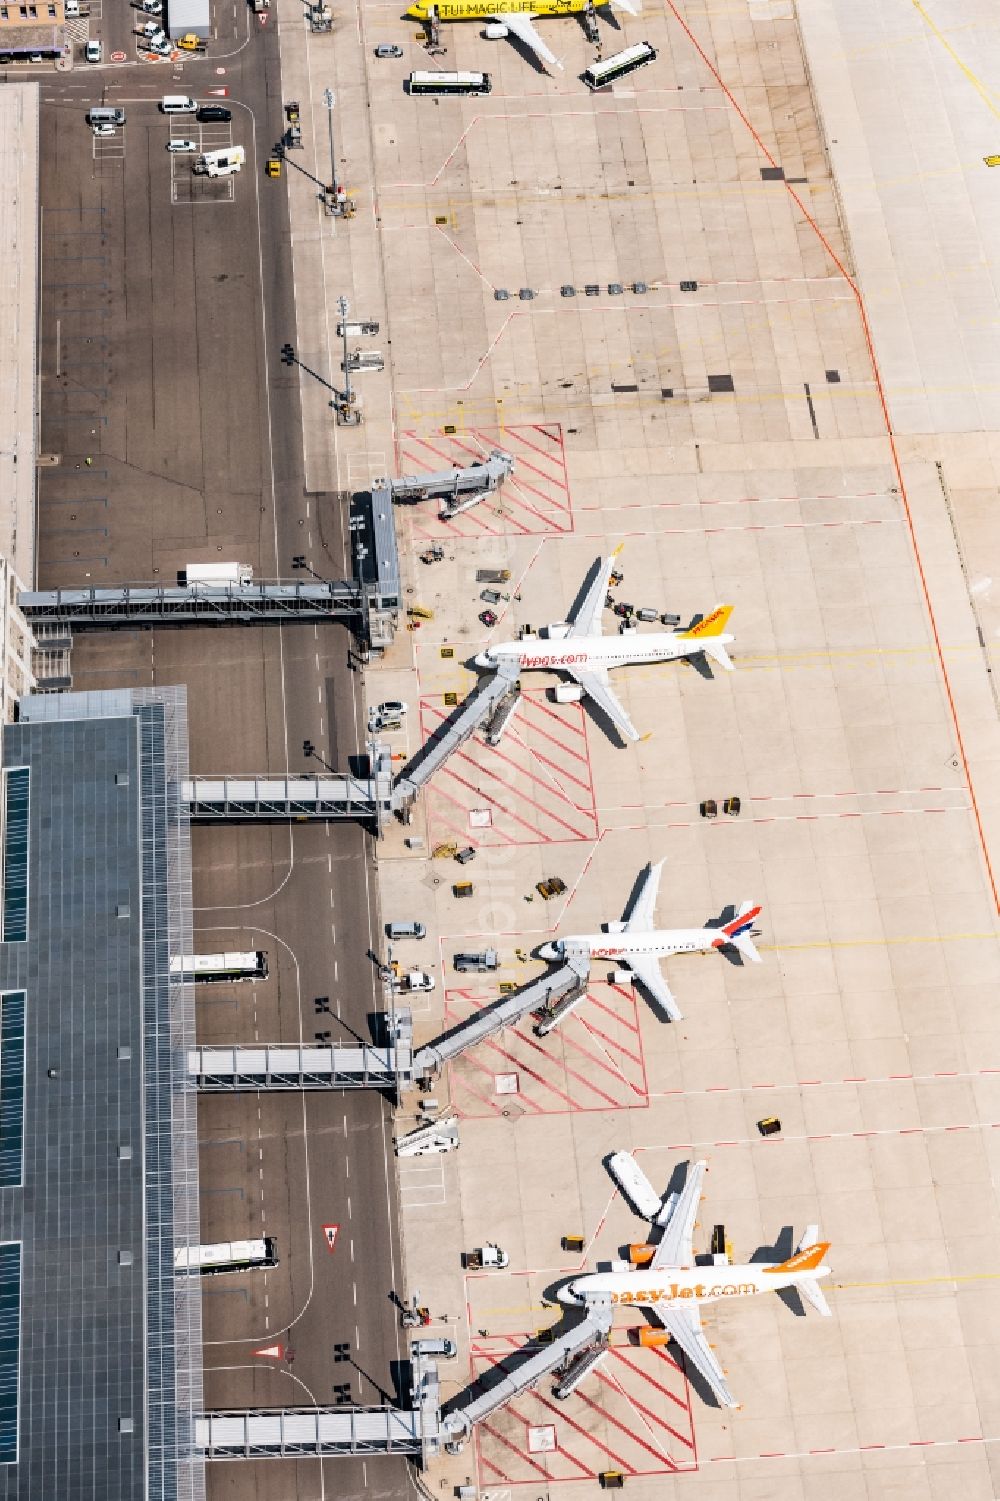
(744, 944)
(810, 1290)
(719, 655)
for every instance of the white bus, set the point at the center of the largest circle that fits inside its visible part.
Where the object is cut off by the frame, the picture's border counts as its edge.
(450, 83)
(601, 75)
(227, 1256)
(206, 968)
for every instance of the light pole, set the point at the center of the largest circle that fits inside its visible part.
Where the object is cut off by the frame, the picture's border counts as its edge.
(343, 309)
(329, 99)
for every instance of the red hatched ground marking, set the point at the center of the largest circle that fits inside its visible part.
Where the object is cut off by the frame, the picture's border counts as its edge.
(592, 1061)
(632, 1414)
(534, 500)
(536, 784)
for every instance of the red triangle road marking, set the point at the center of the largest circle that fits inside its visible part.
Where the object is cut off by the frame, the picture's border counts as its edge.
(270, 1352)
(330, 1234)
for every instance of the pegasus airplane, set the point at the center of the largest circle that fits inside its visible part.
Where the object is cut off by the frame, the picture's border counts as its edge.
(665, 1281)
(514, 16)
(636, 945)
(581, 649)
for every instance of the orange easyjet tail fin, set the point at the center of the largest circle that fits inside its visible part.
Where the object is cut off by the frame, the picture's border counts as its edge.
(806, 1260)
(712, 625)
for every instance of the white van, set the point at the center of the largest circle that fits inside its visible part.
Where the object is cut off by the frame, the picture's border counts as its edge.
(178, 104)
(105, 114)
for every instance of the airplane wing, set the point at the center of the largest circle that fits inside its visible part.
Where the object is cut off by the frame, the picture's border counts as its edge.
(519, 24)
(588, 619)
(647, 972)
(684, 1327)
(594, 682)
(675, 1247)
(640, 919)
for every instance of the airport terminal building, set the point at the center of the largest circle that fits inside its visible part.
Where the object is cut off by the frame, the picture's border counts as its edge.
(100, 1342)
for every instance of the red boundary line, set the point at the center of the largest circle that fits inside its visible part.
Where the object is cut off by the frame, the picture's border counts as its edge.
(883, 402)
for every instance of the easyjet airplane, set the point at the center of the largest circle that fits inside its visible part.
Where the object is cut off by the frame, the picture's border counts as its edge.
(515, 16)
(581, 649)
(637, 945)
(666, 1282)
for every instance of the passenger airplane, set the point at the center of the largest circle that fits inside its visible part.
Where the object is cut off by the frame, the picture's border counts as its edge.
(581, 649)
(637, 945)
(515, 16)
(672, 1287)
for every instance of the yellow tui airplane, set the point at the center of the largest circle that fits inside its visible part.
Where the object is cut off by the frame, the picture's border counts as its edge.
(514, 16)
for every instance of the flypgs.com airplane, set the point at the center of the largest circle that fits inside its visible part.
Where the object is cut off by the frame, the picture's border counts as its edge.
(666, 1282)
(515, 15)
(581, 649)
(637, 945)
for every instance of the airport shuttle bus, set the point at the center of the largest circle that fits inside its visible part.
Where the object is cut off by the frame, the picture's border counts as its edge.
(206, 968)
(449, 83)
(227, 1256)
(602, 75)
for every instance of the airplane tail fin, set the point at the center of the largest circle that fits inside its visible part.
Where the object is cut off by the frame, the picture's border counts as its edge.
(806, 1259)
(712, 625)
(738, 933)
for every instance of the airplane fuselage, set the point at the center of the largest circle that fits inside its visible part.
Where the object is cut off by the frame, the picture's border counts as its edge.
(482, 10)
(682, 1286)
(620, 946)
(585, 653)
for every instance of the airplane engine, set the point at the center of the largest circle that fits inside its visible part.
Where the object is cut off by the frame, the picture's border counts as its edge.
(567, 693)
(622, 977)
(652, 1339)
(493, 31)
(640, 1254)
(561, 628)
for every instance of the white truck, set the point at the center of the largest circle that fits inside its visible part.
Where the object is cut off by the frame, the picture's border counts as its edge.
(222, 163)
(415, 979)
(216, 576)
(485, 1258)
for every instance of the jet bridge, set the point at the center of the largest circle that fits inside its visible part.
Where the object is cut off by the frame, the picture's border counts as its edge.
(309, 1433)
(574, 1352)
(545, 991)
(457, 488)
(487, 700)
(194, 604)
(251, 799)
(220, 1070)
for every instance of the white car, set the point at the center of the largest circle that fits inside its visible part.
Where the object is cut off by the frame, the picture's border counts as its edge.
(152, 7)
(104, 130)
(93, 52)
(181, 146)
(152, 29)
(160, 48)
(393, 708)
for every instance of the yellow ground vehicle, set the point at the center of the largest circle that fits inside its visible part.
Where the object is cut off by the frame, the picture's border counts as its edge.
(273, 166)
(190, 43)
